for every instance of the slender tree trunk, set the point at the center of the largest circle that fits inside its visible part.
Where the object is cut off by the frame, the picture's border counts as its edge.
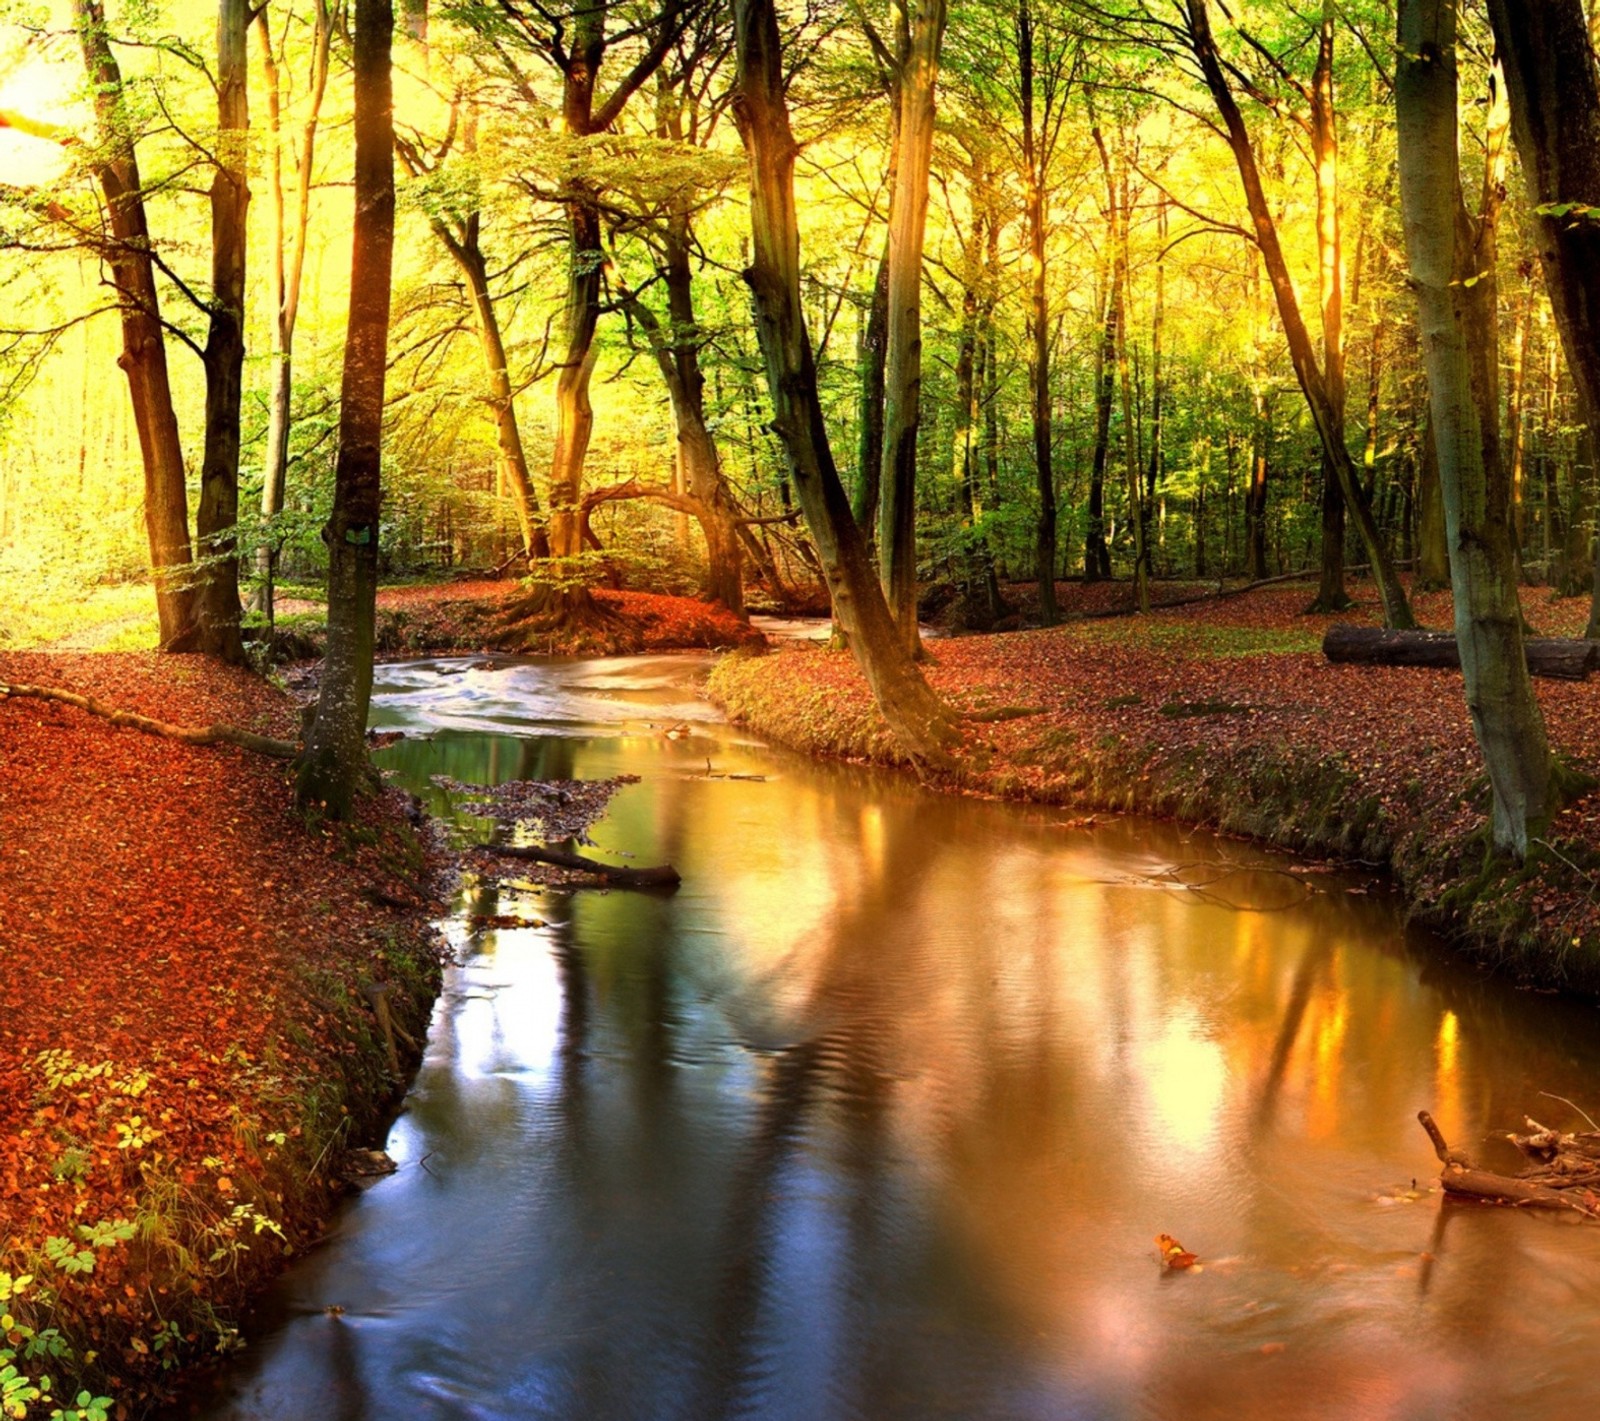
(1396, 610)
(1096, 554)
(333, 762)
(1034, 161)
(217, 514)
(914, 714)
(1452, 269)
(921, 33)
(144, 351)
(1554, 90)
(284, 272)
(869, 425)
(1331, 594)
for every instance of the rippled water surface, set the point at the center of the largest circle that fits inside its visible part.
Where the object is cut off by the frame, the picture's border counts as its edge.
(879, 1114)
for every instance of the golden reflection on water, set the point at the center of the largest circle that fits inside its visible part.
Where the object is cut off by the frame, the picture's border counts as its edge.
(925, 1078)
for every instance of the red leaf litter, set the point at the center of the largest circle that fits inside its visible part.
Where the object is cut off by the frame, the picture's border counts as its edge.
(188, 948)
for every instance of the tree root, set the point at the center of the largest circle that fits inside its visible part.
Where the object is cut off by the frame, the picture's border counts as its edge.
(188, 734)
(1566, 1177)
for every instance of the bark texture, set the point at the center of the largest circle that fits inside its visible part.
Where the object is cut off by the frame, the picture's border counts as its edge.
(915, 715)
(1551, 80)
(334, 761)
(144, 352)
(1451, 260)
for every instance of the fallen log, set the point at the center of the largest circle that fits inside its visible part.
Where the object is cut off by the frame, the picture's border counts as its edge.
(1544, 1188)
(1562, 658)
(659, 876)
(188, 734)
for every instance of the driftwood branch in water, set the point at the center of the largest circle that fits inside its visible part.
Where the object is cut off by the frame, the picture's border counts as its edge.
(1540, 1189)
(1562, 658)
(660, 876)
(189, 734)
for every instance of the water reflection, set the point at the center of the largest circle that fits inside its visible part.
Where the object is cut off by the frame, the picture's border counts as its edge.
(879, 1114)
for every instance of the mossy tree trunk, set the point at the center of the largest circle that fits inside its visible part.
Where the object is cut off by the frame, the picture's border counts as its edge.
(1452, 271)
(333, 763)
(915, 715)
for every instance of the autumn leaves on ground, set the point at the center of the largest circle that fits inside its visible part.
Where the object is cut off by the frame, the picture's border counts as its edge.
(186, 1043)
(1224, 712)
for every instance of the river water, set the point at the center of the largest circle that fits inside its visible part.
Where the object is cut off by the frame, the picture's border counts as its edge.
(879, 1114)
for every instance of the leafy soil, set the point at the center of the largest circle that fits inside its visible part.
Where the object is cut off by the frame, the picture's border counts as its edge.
(470, 616)
(186, 1049)
(1225, 713)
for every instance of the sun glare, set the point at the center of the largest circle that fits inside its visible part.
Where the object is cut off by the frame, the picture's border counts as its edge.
(39, 111)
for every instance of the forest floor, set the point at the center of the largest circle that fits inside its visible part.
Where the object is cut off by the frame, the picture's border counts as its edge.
(474, 615)
(187, 1054)
(1225, 713)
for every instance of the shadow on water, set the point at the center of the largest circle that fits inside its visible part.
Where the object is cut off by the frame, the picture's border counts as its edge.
(878, 1115)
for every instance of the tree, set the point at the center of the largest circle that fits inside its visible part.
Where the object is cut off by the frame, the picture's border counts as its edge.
(455, 217)
(576, 44)
(918, 720)
(333, 760)
(131, 258)
(217, 513)
(1313, 378)
(1549, 62)
(1452, 271)
(919, 33)
(286, 263)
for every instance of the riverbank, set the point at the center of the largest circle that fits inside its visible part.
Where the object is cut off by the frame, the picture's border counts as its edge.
(1225, 714)
(439, 618)
(189, 1050)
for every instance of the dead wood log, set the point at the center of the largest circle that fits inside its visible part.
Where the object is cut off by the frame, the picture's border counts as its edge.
(1561, 658)
(659, 876)
(189, 734)
(1462, 1178)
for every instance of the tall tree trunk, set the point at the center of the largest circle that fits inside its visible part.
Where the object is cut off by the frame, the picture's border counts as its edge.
(1551, 80)
(1096, 554)
(1035, 161)
(1452, 270)
(217, 606)
(1331, 595)
(513, 460)
(333, 761)
(144, 351)
(869, 424)
(915, 715)
(1396, 610)
(920, 26)
(1433, 553)
(284, 273)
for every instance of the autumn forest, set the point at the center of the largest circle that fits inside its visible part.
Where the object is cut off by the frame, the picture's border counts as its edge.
(452, 458)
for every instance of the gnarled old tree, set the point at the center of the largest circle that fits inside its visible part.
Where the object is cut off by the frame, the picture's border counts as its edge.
(334, 761)
(575, 41)
(1549, 60)
(918, 719)
(1453, 272)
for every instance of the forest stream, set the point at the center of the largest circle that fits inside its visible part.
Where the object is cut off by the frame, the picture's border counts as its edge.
(880, 1113)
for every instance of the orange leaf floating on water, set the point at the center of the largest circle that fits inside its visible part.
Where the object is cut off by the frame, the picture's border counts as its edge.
(1173, 1253)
